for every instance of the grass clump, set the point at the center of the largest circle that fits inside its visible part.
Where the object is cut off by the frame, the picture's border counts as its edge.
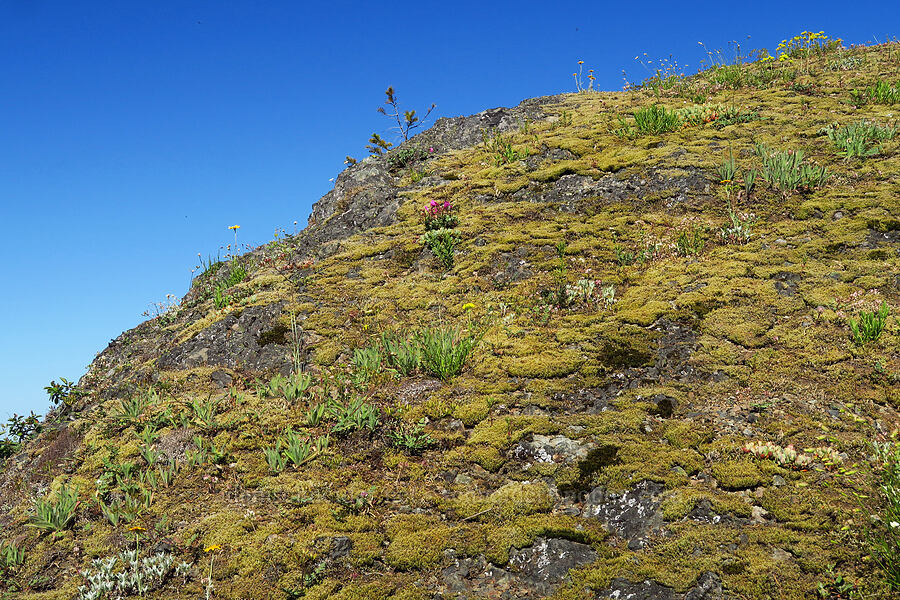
(411, 438)
(881, 92)
(501, 148)
(885, 539)
(786, 170)
(401, 353)
(870, 324)
(860, 139)
(57, 513)
(657, 119)
(445, 349)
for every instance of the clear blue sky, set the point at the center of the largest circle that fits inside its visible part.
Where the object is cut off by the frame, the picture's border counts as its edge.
(135, 133)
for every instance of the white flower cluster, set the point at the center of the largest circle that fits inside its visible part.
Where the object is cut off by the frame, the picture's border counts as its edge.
(134, 576)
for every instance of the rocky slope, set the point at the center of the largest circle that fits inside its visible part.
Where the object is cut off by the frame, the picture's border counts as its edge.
(644, 364)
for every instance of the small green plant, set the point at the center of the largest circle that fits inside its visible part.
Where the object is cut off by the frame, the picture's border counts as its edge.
(205, 413)
(315, 415)
(657, 119)
(690, 241)
(220, 298)
(787, 171)
(442, 243)
(400, 352)
(131, 410)
(21, 428)
(366, 364)
(836, 587)
(445, 350)
(860, 139)
(884, 539)
(870, 324)
(439, 215)
(378, 145)
(881, 92)
(353, 416)
(411, 438)
(57, 513)
(727, 169)
(501, 148)
(275, 459)
(296, 449)
(404, 157)
(738, 228)
(623, 256)
(11, 556)
(749, 181)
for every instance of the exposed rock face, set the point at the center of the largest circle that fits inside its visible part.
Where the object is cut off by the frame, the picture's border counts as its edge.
(533, 572)
(555, 449)
(364, 195)
(708, 587)
(233, 342)
(631, 515)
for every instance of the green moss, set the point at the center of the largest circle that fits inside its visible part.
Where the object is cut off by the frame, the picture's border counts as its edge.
(416, 542)
(737, 474)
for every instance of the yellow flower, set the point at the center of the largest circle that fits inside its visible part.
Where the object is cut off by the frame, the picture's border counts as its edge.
(212, 548)
(136, 528)
(235, 227)
(580, 62)
(468, 306)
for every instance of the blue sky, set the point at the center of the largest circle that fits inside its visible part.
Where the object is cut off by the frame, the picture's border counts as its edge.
(135, 133)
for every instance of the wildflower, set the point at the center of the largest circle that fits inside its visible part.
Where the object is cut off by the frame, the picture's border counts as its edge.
(468, 306)
(136, 529)
(895, 524)
(235, 227)
(212, 548)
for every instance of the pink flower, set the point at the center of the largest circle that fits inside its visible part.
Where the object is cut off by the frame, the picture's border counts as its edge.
(434, 202)
(431, 149)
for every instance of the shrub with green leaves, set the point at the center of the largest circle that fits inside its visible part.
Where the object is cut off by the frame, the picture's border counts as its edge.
(445, 350)
(860, 139)
(18, 430)
(55, 513)
(870, 324)
(786, 170)
(657, 119)
(65, 392)
(442, 243)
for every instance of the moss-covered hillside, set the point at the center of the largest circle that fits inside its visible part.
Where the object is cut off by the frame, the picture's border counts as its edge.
(660, 394)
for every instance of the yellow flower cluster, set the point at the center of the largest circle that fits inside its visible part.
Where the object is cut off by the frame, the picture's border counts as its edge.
(804, 43)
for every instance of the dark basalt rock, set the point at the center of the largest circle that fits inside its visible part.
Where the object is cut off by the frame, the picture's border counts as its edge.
(631, 515)
(622, 589)
(532, 572)
(233, 342)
